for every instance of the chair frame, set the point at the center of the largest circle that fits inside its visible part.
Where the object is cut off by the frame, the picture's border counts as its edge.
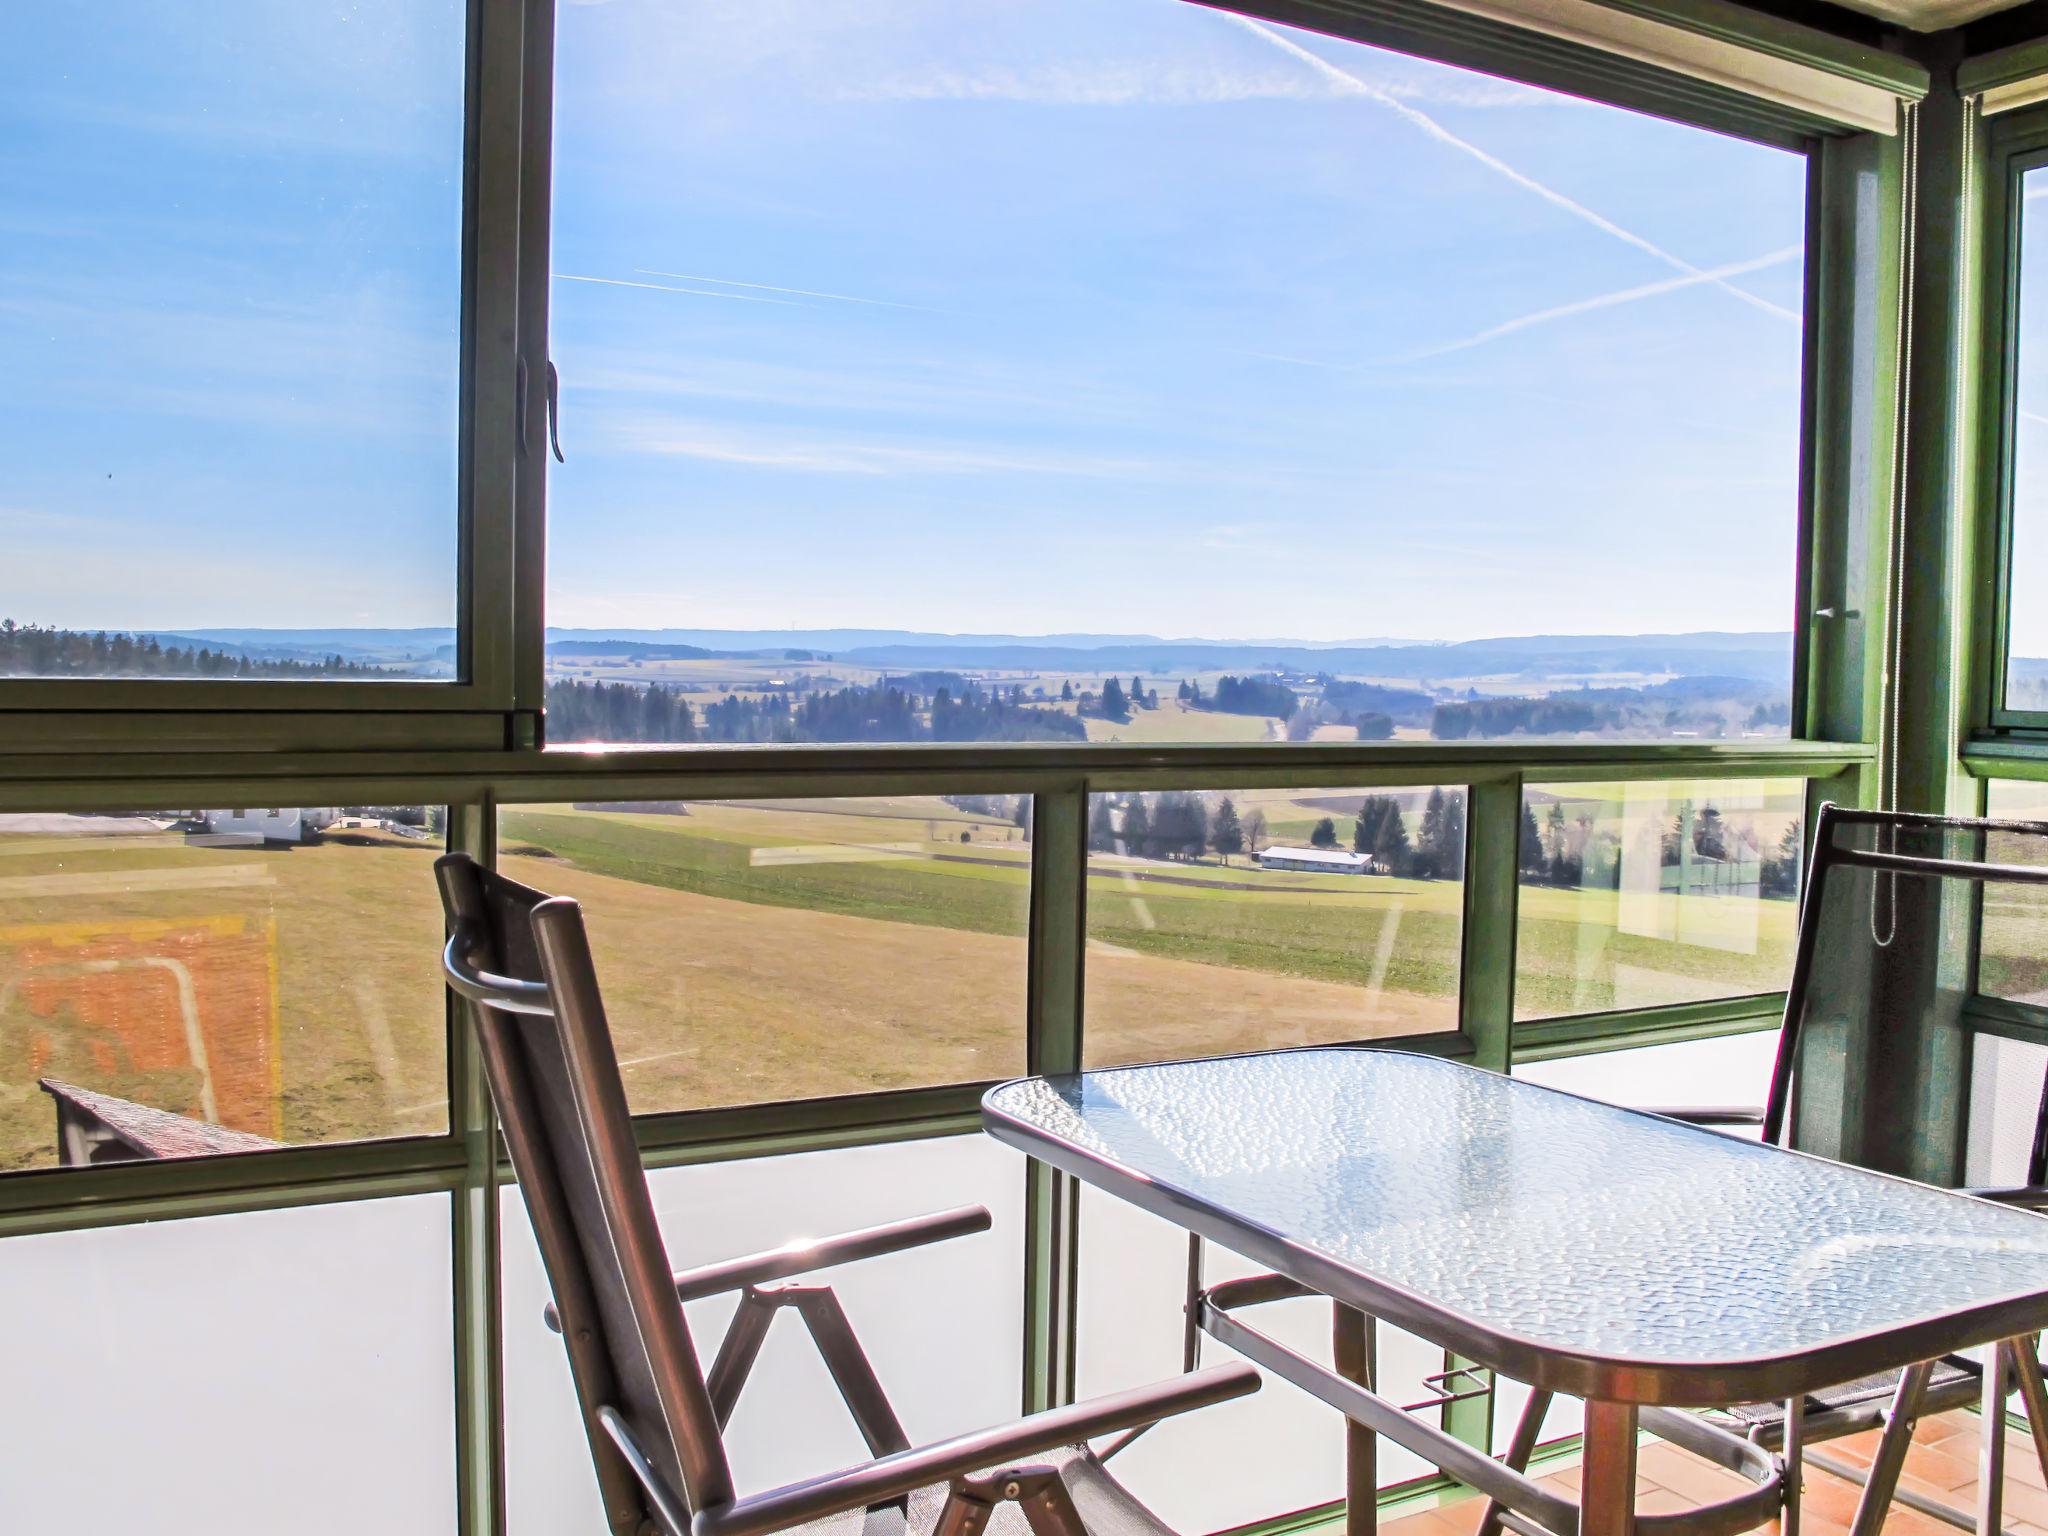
(639, 1498)
(2012, 1361)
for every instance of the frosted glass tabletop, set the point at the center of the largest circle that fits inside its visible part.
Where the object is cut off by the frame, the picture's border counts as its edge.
(1594, 1250)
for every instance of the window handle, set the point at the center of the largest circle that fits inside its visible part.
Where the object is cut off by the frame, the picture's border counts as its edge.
(519, 402)
(555, 413)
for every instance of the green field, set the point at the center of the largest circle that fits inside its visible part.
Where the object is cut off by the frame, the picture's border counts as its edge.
(762, 951)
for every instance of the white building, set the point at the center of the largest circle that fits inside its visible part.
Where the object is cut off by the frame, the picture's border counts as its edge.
(1327, 861)
(277, 824)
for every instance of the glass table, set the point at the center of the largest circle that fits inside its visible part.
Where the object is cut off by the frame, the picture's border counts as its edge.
(1617, 1256)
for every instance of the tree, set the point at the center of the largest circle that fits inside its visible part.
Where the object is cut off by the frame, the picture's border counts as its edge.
(1429, 839)
(1553, 831)
(1067, 691)
(1391, 851)
(1255, 834)
(1709, 836)
(1374, 726)
(1137, 828)
(1114, 705)
(1531, 853)
(1451, 858)
(1365, 835)
(1101, 828)
(1226, 832)
(1137, 692)
(1780, 873)
(1324, 835)
(1181, 692)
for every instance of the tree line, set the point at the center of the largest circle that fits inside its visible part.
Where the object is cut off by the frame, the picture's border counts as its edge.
(634, 712)
(1380, 833)
(36, 650)
(1578, 852)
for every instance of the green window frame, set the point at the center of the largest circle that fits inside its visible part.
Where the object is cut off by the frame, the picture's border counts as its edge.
(473, 745)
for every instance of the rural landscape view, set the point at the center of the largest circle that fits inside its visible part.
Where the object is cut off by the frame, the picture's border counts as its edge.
(288, 990)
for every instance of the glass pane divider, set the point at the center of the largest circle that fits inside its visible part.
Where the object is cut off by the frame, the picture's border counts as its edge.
(479, 1374)
(1486, 986)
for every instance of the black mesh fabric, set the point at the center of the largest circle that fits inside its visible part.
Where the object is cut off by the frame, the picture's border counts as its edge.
(529, 1079)
(1882, 1057)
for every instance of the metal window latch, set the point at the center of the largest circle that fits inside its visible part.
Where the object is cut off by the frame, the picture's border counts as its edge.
(519, 402)
(522, 384)
(555, 412)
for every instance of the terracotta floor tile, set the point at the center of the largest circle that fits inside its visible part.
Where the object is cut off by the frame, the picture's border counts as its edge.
(1687, 1475)
(1949, 1464)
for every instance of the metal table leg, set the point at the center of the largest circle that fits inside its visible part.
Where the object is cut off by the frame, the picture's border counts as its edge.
(1991, 1453)
(1607, 1485)
(1351, 1348)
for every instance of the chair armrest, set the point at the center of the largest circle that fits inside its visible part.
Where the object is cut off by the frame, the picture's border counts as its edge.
(1712, 1115)
(801, 1258)
(2032, 1197)
(892, 1476)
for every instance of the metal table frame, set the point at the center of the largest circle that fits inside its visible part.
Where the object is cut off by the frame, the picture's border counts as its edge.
(1622, 1397)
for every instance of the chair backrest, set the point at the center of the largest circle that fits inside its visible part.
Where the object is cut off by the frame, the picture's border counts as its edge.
(1877, 883)
(523, 960)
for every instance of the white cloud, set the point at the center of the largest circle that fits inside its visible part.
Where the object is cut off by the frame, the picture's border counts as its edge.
(1156, 83)
(1359, 85)
(680, 438)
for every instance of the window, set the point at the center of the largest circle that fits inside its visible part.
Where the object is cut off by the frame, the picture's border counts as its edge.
(2026, 683)
(183, 983)
(1641, 894)
(939, 1323)
(2013, 945)
(1245, 920)
(232, 261)
(754, 951)
(240, 1361)
(1142, 372)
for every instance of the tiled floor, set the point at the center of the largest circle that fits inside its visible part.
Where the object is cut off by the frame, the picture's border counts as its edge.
(1942, 1464)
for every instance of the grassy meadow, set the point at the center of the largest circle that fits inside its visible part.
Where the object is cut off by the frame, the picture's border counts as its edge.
(759, 951)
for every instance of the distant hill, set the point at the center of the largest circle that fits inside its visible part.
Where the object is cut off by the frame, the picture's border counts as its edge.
(1551, 660)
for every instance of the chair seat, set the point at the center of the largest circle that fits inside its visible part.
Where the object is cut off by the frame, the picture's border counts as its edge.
(1855, 1404)
(1105, 1506)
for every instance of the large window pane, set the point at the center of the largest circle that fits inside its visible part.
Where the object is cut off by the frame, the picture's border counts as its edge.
(180, 983)
(2026, 685)
(939, 1324)
(1242, 920)
(765, 950)
(1635, 895)
(232, 266)
(234, 1375)
(1135, 371)
(2013, 954)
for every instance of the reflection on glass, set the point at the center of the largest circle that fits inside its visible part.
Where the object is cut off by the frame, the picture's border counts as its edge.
(1241, 920)
(186, 983)
(2026, 683)
(939, 1324)
(765, 950)
(241, 1360)
(1122, 370)
(2013, 954)
(233, 274)
(1635, 895)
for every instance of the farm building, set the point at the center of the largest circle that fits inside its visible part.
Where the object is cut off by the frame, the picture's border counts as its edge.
(276, 824)
(1328, 861)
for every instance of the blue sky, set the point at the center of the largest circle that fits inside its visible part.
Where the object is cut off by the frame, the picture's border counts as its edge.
(1024, 315)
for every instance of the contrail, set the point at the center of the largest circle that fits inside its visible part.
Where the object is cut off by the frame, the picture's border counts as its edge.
(1429, 125)
(1608, 300)
(808, 293)
(704, 293)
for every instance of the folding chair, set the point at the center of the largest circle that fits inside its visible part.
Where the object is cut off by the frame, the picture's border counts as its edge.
(653, 1416)
(1852, 891)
